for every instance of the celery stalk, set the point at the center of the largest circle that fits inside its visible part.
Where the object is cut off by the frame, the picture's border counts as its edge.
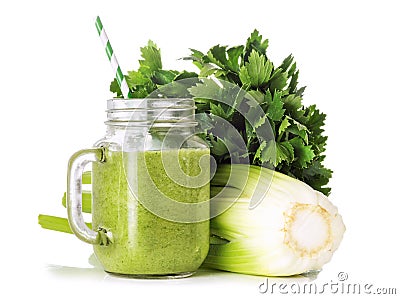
(87, 177)
(56, 223)
(293, 228)
(86, 201)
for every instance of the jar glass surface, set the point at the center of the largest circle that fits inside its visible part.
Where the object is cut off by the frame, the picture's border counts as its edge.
(152, 192)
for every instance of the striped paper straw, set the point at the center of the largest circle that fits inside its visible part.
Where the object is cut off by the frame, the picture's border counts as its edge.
(113, 59)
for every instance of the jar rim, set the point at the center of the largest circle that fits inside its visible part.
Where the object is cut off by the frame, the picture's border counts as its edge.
(150, 103)
(151, 112)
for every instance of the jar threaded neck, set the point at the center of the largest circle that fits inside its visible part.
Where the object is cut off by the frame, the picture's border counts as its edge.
(155, 112)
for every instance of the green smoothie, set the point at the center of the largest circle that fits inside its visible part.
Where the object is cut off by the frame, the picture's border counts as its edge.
(144, 243)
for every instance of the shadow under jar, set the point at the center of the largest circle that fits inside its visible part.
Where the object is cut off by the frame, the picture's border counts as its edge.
(150, 189)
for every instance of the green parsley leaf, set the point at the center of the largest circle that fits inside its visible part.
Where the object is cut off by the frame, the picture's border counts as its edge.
(255, 42)
(234, 58)
(208, 69)
(185, 75)
(293, 105)
(304, 153)
(287, 62)
(217, 55)
(218, 110)
(256, 95)
(245, 77)
(278, 80)
(269, 153)
(151, 61)
(275, 110)
(114, 88)
(162, 77)
(284, 153)
(256, 71)
(284, 125)
(135, 78)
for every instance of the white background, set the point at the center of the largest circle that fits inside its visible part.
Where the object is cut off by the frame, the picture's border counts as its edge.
(54, 86)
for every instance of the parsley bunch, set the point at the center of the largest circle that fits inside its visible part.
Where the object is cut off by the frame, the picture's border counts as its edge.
(298, 146)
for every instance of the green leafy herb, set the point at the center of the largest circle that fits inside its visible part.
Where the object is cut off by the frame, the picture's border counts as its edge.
(150, 76)
(298, 145)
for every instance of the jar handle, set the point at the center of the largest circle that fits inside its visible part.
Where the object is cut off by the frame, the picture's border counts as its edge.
(76, 166)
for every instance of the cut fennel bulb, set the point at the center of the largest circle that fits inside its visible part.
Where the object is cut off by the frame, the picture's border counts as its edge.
(293, 229)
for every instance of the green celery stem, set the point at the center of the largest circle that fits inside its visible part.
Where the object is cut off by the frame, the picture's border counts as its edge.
(56, 223)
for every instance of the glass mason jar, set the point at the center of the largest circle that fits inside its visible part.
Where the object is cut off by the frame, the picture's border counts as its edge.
(150, 190)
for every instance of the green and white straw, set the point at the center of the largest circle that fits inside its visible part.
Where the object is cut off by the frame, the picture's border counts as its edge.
(113, 59)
